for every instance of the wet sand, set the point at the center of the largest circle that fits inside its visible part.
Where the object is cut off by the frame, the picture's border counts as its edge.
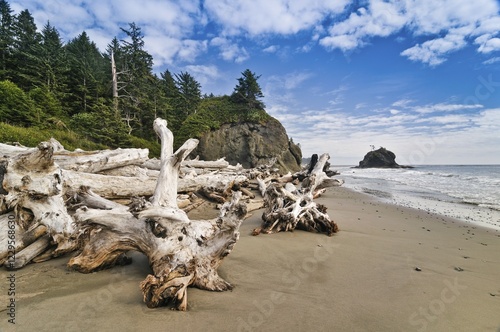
(390, 268)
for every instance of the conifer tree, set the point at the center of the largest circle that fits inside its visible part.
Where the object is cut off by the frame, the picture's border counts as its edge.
(248, 91)
(26, 41)
(6, 39)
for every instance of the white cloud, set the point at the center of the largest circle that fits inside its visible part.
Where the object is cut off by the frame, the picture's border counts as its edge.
(403, 103)
(381, 19)
(433, 52)
(203, 74)
(444, 107)
(167, 25)
(488, 45)
(255, 17)
(229, 50)
(443, 26)
(271, 49)
(492, 61)
(347, 136)
(448, 26)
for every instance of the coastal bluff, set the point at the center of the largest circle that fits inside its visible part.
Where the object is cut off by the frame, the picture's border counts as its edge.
(381, 158)
(252, 145)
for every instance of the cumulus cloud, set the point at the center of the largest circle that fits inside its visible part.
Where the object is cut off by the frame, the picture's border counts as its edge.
(381, 19)
(433, 52)
(255, 17)
(444, 26)
(488, 44)
(448, 26)
(167, 25)
(229, 50)
(271, 49)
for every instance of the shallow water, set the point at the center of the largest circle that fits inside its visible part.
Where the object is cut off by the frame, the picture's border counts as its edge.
(467, 192)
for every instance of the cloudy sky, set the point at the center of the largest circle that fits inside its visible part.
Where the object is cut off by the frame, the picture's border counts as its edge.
(419, 77)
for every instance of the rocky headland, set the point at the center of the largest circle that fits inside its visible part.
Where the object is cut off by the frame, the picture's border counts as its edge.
(251, 144)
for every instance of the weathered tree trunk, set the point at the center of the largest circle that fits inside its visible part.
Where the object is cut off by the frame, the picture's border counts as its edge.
(33, 184)
(194, 163)
(181, 252)
(125, 187)
(288, 208)
(97, 161)
(114, 78)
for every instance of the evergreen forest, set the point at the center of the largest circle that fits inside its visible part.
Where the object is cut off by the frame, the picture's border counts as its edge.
(92, 99)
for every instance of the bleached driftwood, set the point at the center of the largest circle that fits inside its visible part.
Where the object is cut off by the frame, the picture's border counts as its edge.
(7, 150)
(132, 171)
(33, 190)
(96, 161)
(123, 186)
(181, 252)
(194, 163)
(84, 161)
(289, 208)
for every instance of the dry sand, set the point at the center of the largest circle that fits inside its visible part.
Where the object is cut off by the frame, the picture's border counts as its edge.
(362, 279)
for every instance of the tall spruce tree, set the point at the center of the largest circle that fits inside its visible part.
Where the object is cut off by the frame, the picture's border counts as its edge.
(26, 41)
(189, 96)
(6, 39)
(248, 92)
(88, 75)
(137, 71)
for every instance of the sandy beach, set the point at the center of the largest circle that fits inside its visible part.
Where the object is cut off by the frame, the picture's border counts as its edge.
(390, 268)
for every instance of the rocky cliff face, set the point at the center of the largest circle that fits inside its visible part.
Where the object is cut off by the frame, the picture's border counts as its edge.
(252, 145)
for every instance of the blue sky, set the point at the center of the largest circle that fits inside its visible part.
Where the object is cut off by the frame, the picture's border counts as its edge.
(419, 77)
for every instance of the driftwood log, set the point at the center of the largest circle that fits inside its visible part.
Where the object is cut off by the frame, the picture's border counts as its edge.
(181, 252)
(33, 197)
(37, 185)
(289, 208)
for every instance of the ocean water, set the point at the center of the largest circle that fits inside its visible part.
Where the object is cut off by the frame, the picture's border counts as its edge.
(467, 192)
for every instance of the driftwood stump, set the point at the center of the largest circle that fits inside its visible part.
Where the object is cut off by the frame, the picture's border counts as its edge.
(289, 208)
(33, 201)
(181, 252)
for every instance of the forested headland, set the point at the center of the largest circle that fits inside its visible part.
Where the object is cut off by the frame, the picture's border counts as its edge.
(92, 99)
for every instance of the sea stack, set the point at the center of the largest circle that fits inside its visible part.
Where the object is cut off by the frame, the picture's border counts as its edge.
(381, 158)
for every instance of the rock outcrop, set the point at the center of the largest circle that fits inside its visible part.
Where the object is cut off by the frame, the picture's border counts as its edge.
(251, 145)
(381, 158)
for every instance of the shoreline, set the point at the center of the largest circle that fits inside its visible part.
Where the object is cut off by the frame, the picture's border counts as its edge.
(442, 198)
(364, 278)
(469, 213)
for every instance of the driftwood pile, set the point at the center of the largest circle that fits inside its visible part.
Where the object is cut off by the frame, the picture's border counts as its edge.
(102, 204)
(288, 207)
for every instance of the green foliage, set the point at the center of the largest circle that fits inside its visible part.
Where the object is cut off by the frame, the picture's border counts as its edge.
(101, 126)
(88, 74)
(213, 113)
(189, 94)
(141, 143)
(47, 103)
(25, 42)
(6, 39)
(15, 106)
(68, 89)
(33, 136)
(248, 92)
